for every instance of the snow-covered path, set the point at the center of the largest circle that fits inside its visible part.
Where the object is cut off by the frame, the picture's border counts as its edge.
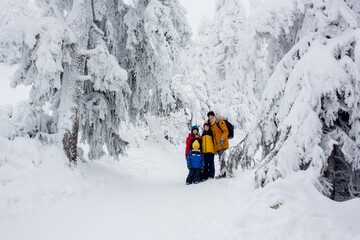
(154, 203)
(144, 196)
(147, 199)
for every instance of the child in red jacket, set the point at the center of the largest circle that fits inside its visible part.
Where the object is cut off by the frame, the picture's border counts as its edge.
(194, 134)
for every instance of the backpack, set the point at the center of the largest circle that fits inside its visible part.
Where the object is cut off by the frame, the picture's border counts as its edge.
(230, 128)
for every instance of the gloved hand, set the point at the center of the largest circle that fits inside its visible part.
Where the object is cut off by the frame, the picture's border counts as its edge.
(221, 142)
(202, 169)
(188, 166)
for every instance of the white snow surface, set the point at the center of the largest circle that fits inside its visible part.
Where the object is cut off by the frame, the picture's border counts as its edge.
(144, 196)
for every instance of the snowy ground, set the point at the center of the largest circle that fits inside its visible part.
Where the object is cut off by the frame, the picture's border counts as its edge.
(144, 196)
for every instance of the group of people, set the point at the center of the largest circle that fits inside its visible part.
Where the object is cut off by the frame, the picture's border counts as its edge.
(201, 149)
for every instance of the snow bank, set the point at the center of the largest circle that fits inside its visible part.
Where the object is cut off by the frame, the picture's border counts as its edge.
(292, 208)
(144, 196)
(33, 173)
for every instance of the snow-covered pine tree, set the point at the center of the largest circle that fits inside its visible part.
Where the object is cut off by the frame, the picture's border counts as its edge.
(106, 94)
(79, 21)
(194, 73)
(216, 60)
(179, 21)
(231, 94)
(13, 10)
(146, 38)
(272, 28)
(155, 32)
(57, 62)
(10, 13)
(308, 116)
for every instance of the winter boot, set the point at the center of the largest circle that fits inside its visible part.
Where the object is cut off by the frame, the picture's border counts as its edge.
(221, 176)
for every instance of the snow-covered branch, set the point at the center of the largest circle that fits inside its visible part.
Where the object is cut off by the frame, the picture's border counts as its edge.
(90, 52)
(84, 78)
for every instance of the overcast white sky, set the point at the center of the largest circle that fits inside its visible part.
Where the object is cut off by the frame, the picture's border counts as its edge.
(196, 9)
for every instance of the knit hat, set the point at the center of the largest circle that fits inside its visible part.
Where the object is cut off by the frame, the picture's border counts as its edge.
(196, 144)
(194, 127)
(211, 113)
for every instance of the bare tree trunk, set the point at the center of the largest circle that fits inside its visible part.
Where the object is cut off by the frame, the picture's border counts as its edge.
(79, 21)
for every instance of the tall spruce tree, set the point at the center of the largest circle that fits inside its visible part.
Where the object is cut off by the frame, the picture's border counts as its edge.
(232, 95)
(308, 114)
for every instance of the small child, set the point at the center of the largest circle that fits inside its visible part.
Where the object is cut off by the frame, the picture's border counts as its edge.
(195, 163)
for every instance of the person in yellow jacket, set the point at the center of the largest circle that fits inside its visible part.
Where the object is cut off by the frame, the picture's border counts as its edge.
(221, 141)
(208, 151)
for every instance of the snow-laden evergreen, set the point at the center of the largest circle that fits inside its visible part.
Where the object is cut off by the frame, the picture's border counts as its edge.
(237, 51)
(90, 75)
(191, 83)
(229, 89)
(155, 31)
(308, 116)
(217, 60)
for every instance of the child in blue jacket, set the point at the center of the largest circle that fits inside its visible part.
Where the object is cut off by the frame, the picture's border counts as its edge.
(195, 163)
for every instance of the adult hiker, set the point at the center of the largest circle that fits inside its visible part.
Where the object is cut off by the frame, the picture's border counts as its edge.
(220, 137)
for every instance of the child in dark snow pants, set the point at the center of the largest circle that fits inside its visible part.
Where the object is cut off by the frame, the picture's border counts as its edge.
(209, 165)
(195, 163)
(208, 150)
